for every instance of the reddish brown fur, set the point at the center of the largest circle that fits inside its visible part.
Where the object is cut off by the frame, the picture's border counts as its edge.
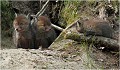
(96, 27)
(22, 34)
(45, 33)
(45, 21)
(94, 22)
(21, 18)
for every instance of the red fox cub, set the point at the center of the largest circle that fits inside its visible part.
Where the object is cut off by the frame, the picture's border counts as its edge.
(97, 27)
(45, 34)
(22, 35)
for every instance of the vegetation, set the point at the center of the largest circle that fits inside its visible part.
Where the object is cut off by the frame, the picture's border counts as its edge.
(69, 12)
(7, 15)
(83, 9)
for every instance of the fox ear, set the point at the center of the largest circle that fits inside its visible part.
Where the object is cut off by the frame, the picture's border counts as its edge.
(28, 15)
(16, 12)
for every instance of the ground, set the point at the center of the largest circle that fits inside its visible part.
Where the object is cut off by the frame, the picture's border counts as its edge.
(36, 59)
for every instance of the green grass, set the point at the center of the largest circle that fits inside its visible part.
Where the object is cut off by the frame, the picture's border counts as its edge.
(69, 12)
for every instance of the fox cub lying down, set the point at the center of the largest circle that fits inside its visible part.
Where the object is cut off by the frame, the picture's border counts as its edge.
(96, 27)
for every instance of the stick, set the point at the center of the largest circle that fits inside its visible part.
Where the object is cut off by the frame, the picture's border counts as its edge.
(43, 10)
(38, 14)
(57, 27)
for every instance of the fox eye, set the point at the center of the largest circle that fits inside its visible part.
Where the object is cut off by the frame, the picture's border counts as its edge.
(90, 25)
(22, 24)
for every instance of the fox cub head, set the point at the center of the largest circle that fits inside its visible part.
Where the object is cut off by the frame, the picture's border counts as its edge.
(21, 22)
(43, 23)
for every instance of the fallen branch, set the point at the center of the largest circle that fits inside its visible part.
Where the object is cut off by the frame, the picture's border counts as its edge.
(57, 27)
(43, 8)
(96, 40)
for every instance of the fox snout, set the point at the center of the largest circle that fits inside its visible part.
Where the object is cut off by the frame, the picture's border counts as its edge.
(19, 29)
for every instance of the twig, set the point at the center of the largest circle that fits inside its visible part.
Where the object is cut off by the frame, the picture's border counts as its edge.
(57, 27)
(40, 4)
(43, 10)
(38, 14)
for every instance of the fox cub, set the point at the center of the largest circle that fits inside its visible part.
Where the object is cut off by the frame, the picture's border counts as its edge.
(22, 35)
(96, 27)
(45, 34)
(28, 34)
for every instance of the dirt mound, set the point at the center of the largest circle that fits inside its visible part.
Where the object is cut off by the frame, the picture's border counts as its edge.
(16, 59)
